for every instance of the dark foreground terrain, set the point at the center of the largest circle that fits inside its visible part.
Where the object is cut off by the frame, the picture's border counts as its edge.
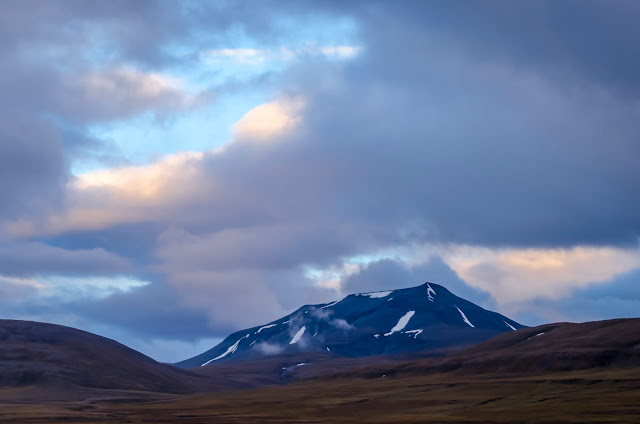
(571, 373)
(593, 396)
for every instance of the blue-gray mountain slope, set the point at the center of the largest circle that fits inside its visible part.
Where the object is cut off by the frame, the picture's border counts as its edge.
(426, 317)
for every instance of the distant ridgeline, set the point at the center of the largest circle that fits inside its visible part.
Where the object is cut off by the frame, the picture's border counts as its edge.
(427, 317)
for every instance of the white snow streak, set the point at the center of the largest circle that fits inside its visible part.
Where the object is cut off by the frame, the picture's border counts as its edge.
(510, 326)
(429, 291)
(376, 335)
(402, 322)
(231, 349)
(539, 334)
(464, 317)
(331, 304)
(298, 335)
(376, 295)
(416, 332)
(265, 327)
(328, 350)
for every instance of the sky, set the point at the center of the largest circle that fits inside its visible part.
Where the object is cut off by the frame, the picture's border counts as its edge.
(173, 171)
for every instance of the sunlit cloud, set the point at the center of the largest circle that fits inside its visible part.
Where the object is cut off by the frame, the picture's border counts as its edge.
(332, 277)
(66, 288)
(515, 275)
(145, 193)
(70, 288)
(18, 282)
(141, 183)
(269, 119)
(129, 194)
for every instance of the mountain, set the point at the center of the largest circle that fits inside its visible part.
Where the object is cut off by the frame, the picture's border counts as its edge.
(427, 317)
(47, 355)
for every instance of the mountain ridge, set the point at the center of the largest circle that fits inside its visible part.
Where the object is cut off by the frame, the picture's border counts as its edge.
(425, 317)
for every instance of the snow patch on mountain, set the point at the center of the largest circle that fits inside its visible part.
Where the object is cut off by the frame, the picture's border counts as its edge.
(376, 295)
(298, 335)
(415, 333)
(264, 328)
(510, 326)
(331, 304)
(464, 317)
(229, 351)
(429, 291)
(402, 322)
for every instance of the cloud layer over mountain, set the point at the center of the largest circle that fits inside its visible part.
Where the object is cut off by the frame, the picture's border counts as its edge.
(491, 149)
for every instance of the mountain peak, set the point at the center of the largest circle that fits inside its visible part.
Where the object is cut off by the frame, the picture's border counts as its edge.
(424, 317)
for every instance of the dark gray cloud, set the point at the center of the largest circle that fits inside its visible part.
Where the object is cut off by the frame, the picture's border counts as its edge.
(32, 259)
(577, 41)
(147, 312)
(32, 167)
(484, 149)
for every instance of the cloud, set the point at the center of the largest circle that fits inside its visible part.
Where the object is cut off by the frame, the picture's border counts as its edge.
(253, 57)
(463, 128)
(143, 194)
(269, 119)
(32, 258)
(516, 275)
(32, 167)
(119, 92)
(154, 311)
(616, 298)
(433, 156)
(341, 324)
(325, 315)
(17, 289)
(269, 348)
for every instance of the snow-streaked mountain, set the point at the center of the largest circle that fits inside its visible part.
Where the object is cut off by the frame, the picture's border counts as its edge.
(426, 317)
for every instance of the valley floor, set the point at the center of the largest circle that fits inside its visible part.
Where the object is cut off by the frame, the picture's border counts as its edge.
(592, 396)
